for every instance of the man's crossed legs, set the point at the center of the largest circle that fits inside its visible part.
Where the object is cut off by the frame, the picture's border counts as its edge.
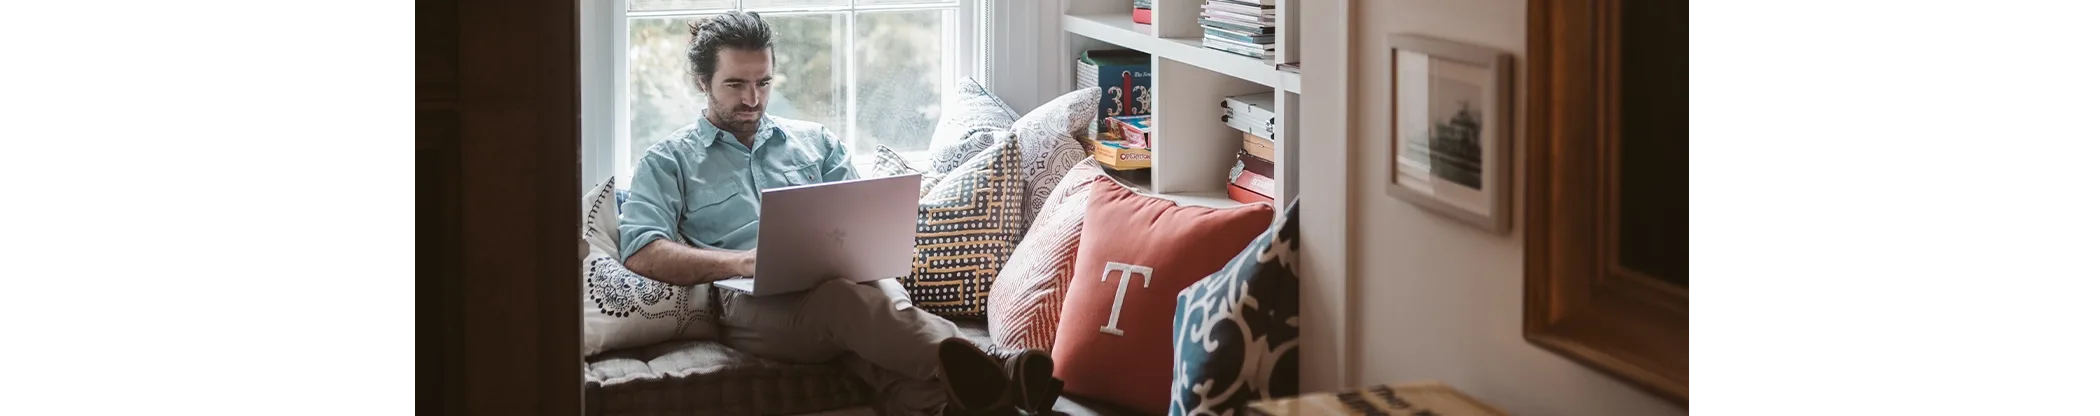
(893, 350)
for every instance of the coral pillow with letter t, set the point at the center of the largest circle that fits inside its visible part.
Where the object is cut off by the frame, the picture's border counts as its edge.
(1115, 339)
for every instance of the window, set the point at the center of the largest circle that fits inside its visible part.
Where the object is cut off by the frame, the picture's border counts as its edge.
(873, 71)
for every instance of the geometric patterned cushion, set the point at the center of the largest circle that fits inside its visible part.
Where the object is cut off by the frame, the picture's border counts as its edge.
(955, 137)
(1050, 141)
(1236, 332)
(1030, 291)
(968, 226)
(889, 163)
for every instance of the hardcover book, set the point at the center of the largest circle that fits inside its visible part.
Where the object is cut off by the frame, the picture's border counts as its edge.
(1240, 18)
(1241, 8)
(1125, 79)
(1236, 27)
(1258, 146)
(1239, 50)
(1248, 3)
(1255, 39)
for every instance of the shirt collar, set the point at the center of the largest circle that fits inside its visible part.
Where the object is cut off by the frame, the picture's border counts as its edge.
(708, 134)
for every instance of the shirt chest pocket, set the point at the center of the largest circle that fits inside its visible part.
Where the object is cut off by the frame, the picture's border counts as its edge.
(715, 212)
(798, 169)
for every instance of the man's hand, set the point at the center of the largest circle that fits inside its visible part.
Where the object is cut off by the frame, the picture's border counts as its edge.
(747, 263)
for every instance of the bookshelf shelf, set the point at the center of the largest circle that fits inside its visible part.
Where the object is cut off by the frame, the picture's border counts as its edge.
(1193, 149)
(1117, 30)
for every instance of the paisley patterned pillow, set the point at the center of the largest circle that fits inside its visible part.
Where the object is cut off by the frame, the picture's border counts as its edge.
(622, 309)
(1236, 332)
(1050, 142)
(956, 137)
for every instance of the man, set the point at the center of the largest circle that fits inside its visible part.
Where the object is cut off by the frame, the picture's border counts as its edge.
(692, 219)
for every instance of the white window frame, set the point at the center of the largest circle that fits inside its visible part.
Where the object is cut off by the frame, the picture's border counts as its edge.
(603, 33)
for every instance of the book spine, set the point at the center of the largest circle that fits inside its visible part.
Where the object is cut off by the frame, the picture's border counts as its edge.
(1256, 164)
(1249, 3)
(1256, 182)
(1258, 146)
(1254, 39)
(1244, 196)
(1237, 27)
(1141, 16)
(1265, 47)
(1240, 18)
(1238, 50)
(1240, 8)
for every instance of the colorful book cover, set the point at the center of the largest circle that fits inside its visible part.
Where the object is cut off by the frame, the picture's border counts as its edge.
(1137, 130)
(1125, 79)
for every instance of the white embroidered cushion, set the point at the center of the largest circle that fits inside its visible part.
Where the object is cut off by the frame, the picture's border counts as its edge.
(622, 309)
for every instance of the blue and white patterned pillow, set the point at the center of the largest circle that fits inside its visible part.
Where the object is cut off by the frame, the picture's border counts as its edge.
(1236, 332)
(956, 137)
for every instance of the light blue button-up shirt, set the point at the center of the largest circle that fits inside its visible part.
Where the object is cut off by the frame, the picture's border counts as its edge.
(702, 184)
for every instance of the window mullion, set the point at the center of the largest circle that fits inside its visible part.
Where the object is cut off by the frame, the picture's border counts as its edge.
(852, 103)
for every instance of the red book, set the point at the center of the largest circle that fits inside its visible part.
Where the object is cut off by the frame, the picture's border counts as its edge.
(1245, 196)
(1256, 182)
(1257, 164)
(1141, 16)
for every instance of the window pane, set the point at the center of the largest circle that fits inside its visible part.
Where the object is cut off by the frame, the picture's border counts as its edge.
(754, 4)
(644, 5)
(899, 78)
(807, 79)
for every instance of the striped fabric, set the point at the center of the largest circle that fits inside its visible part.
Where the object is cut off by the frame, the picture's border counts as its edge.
(968, 227)
(1030, 291)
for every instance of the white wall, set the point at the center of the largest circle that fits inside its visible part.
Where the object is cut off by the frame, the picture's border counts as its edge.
(1432, 298)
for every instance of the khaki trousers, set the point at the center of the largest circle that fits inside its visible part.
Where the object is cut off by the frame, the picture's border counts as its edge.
(892, 350)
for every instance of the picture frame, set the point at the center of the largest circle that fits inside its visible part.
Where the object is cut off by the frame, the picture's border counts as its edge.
(1449, 132)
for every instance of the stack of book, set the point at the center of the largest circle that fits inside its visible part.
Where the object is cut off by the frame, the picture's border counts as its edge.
(1125, 79)
(1243, 27)
(1141, 12)
(1125, 143)
(1253, 175)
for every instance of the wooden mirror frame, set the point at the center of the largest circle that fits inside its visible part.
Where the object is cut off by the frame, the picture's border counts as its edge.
(1579, 301)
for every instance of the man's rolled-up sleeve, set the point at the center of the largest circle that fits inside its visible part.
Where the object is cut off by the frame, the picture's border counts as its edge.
(838, 163)
(652, 207)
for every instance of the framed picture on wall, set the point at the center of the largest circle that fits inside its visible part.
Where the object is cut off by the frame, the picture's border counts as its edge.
(1450, 129)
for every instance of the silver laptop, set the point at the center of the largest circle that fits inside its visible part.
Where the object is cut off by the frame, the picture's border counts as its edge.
(860, 230)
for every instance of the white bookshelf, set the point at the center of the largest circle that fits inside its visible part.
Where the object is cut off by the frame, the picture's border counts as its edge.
(1194, 149)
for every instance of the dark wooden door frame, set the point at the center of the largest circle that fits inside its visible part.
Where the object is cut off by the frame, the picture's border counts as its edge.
(497, 207)
(1578, 301)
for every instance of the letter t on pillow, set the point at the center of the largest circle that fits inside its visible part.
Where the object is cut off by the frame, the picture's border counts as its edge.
(1115, 339)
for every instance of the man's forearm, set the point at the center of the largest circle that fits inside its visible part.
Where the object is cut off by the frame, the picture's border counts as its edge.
(683, 265)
